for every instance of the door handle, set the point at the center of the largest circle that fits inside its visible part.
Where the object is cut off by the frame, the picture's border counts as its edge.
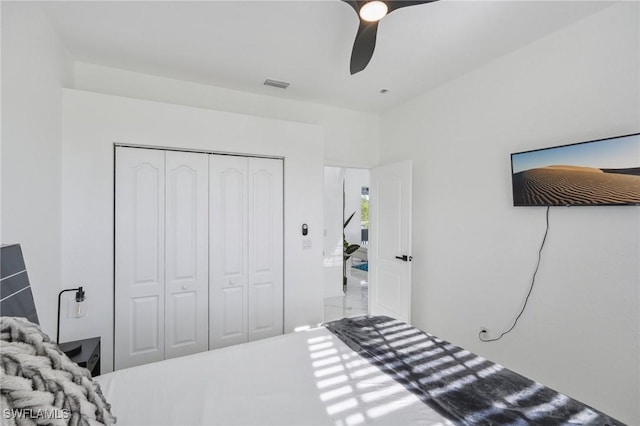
(405, 258)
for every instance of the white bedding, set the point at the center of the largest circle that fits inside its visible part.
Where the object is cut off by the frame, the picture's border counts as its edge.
(306, 378)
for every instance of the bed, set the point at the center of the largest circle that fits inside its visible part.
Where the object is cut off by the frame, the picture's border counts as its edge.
(305, 378)
(363, 370)
(369, 370)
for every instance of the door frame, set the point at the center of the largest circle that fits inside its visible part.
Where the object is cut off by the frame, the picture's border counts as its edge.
(343, 216)
(373, 225)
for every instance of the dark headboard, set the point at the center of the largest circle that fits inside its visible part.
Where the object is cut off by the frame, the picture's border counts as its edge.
(16, 299)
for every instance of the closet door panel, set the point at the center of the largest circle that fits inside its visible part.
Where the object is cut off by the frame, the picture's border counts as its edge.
(139, 260)
(228, 250)
(233, 324)
(145, 320)
(182, 326)
(187, 253)
(265, 248)
(263, 306)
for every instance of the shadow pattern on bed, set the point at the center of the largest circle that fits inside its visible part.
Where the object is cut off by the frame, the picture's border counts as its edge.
(461, 386)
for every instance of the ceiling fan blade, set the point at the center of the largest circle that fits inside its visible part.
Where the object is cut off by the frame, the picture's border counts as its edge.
(365, 42)
(363, 46)
(394, 5)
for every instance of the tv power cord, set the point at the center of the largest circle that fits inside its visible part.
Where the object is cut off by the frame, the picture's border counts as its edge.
(482, 335)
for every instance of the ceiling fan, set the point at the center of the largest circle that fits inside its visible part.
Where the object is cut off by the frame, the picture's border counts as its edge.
(370, 12)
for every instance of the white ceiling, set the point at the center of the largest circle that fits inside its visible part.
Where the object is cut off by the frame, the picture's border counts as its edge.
(238, 44)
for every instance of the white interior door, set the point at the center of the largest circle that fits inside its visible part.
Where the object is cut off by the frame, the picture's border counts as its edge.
(139, 259)
(390, 241)
(265, 248)
(186, 253)
(228, 250)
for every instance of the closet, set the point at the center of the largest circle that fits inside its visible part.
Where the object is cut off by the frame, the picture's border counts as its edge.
(198, 252)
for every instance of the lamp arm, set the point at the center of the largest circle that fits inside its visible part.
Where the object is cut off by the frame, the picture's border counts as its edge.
(59, 302)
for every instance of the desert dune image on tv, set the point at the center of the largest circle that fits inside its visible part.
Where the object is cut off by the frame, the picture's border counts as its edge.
(602, 172)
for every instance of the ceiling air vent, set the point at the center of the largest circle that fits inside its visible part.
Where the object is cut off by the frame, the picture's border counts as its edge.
(276, 83)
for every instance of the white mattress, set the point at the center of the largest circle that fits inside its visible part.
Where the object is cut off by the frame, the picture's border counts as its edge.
(306, 378)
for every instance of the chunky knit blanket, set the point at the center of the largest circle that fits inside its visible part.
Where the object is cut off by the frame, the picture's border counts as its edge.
(39, 384)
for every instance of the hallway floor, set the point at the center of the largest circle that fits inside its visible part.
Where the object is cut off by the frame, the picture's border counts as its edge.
(354, 303)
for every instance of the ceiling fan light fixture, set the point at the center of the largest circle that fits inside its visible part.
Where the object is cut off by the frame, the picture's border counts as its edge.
(373, 11)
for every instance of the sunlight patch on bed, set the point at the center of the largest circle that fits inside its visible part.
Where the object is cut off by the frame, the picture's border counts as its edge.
(543, 409)
(356, 363)
(383, 393)
(355, 419)
(336, 393)
(524, 394)
(442, 374)
(318, 346)
(314, 340)
(327, 371)
(390, 327)
(374, 342)
(375, 382)
(406, 341)
(482, 415)
(475, 362)
(490, 370)
(455, 385)
(342, 406)
(425, 354)
(404, 332)
(326, 361)
(432, 364)
(320, 354)
(335, 368)
(584, 417)
(332, 381)
(390, 407)
(421, 346)
(463, 353)
(366, 371)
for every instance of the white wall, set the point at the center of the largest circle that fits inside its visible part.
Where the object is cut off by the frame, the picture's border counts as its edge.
(474, 253)
(34, 68)
(92, 123)
(351, 137)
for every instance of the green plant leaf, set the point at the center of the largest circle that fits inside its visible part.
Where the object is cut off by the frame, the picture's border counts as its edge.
(348, 220)
(352, 248)
(348, 249)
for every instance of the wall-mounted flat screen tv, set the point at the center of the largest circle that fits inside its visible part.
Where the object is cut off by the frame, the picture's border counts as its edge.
(602, 172)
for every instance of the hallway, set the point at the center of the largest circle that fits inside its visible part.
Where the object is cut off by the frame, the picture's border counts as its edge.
(354, 303)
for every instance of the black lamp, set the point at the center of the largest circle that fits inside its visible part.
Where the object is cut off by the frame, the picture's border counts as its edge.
(78, 312)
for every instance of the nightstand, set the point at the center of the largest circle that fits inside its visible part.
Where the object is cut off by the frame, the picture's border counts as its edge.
(85, 353)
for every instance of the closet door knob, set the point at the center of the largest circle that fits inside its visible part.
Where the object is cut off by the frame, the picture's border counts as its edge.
(231, 283)
(184, 286)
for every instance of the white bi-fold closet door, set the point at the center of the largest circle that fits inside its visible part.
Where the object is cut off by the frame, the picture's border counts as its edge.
(198, 252)
(245, 271)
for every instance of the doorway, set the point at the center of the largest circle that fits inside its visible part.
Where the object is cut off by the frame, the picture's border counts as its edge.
(346, 239)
